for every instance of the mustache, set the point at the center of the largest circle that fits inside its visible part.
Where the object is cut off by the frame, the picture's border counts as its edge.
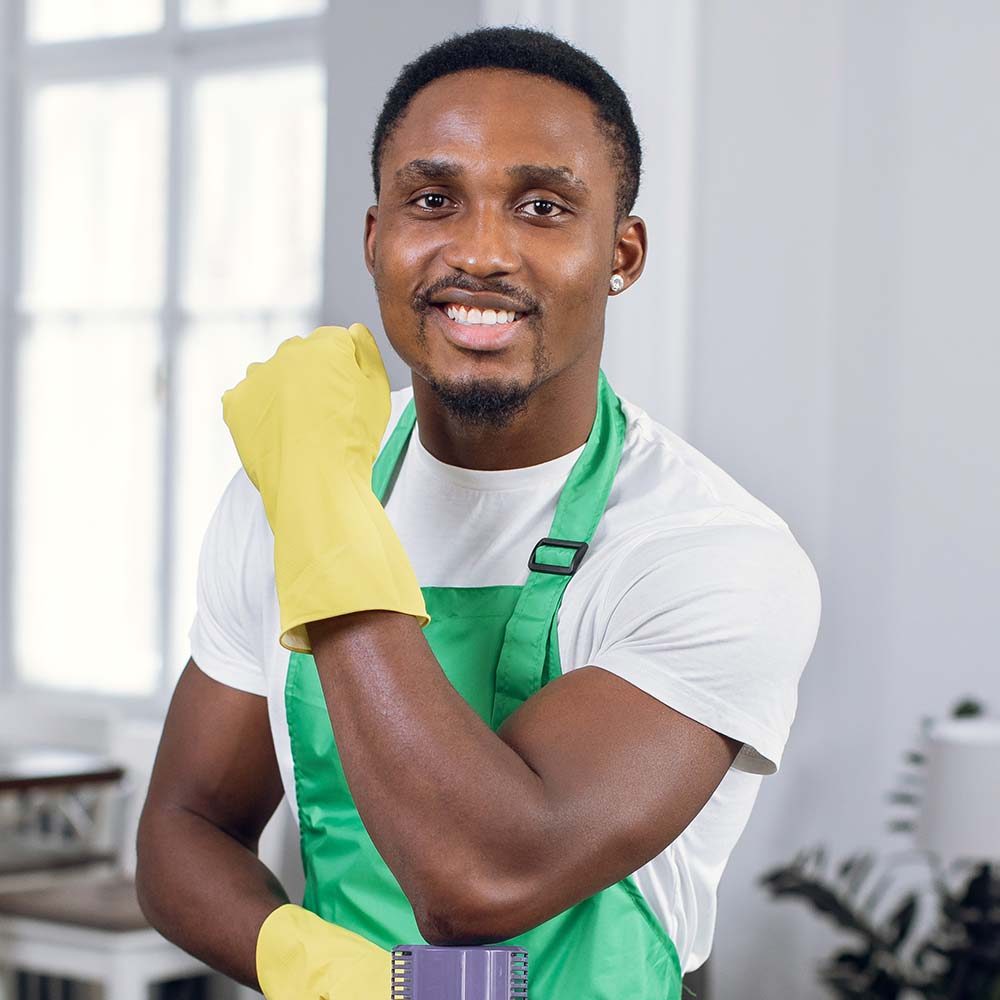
(422, 301)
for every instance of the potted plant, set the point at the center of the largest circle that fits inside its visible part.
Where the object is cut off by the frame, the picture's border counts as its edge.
(959, 959)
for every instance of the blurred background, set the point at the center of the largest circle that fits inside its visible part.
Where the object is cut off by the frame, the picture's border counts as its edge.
(183, 185)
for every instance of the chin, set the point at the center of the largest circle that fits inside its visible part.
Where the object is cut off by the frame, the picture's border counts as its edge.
(481, 401)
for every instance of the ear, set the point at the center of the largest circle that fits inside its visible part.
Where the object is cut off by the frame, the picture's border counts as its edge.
(371, 224)
(630, 249)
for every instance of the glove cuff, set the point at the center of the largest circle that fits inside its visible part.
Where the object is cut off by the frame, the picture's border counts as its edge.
(363, 569)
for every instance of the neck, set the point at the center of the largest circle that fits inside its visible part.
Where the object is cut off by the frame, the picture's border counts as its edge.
(556, 419)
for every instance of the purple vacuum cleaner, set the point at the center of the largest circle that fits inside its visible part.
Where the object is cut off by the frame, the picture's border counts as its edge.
(429, 972)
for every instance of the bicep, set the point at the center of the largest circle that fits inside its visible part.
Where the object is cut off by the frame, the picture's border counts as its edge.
(624, 774)
(216, 757)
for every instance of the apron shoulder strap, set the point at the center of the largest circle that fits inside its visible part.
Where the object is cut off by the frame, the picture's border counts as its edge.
(387, 464)
(579, 509)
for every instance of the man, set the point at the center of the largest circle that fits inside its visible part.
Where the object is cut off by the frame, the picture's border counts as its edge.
(552, 744)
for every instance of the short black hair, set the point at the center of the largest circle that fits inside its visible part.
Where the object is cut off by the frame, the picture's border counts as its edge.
(533, 51)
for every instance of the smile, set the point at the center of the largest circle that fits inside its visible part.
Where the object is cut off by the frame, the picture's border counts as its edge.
(479, 317)
(478, 330)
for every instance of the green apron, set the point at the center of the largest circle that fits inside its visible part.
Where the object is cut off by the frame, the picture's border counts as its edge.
(497, 645)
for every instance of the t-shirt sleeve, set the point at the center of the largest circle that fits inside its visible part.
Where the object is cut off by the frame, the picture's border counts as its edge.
(717, 622)
(226, 632)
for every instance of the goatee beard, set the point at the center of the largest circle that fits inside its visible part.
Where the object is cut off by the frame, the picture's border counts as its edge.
(487, 404)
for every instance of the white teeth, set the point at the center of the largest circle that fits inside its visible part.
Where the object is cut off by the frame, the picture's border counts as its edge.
(483, 317)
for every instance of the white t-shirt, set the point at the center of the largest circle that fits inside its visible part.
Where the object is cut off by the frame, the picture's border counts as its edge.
(692, 590)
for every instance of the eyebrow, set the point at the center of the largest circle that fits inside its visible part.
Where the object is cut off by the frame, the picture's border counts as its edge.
(541, 175)
(529, 174)
(417, 171)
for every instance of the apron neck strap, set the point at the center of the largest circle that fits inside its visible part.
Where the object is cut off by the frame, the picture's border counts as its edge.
(553, 559)
(387, 464)
(581, 505)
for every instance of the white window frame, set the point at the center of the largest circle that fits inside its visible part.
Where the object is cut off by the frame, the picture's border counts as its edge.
(653, 82)
(178, 56)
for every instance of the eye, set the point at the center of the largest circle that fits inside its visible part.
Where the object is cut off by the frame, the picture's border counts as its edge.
(550, 204)
(430, 194)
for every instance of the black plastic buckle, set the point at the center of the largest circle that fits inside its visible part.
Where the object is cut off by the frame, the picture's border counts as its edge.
(581, 551)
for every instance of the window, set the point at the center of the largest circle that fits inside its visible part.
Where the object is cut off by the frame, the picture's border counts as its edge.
(169, 159)
(60, 20)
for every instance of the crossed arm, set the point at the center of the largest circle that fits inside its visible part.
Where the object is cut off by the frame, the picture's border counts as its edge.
(489, 834)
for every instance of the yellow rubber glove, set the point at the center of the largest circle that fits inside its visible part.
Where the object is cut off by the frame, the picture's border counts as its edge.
(307, 424)
(301, 956)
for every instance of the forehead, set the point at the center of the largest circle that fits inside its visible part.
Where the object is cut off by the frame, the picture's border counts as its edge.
(492, 117)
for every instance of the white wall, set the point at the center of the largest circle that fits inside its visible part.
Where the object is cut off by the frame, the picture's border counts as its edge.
(845, 350)
(9, 119)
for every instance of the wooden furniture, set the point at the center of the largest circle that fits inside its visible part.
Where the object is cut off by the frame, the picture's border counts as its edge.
(89, 928)
(22, 768)
(75, 791)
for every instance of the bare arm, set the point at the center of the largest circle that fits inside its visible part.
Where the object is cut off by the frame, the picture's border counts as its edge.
(214, 786)
(488, 833)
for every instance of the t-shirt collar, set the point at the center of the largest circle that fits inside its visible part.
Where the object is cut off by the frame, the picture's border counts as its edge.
(538, 476)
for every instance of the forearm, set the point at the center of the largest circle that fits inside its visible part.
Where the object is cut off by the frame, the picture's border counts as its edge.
(456, 812)
(204, 890)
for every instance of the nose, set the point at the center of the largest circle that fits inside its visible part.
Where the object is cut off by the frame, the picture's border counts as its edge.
(482, 242)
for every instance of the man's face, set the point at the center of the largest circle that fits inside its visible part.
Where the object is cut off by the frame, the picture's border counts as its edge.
(463, 218)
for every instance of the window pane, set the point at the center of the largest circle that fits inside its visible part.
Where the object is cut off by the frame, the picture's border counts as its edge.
(86, 508)
(256, 211)
(213, 357)
(94, 186)
(62, 20)
(211, 13)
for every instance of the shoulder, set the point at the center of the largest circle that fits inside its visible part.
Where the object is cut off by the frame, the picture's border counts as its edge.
(687, 503)
(718, 621)
(236, 510)
(706, 599)
(234, 574)
(240, 516)
(676, 480)
(731, 565)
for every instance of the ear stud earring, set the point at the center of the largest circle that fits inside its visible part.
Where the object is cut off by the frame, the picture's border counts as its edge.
(617, 282)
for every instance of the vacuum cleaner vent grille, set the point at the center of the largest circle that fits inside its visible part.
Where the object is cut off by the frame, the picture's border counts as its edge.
(429, 972)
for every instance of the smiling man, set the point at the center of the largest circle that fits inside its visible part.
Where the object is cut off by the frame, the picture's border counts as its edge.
(517, 655)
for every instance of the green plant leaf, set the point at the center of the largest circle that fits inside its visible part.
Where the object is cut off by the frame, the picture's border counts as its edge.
(901, 921)
(860, 873)
(966, 708)
(875, 896)
(995, 989)
(791, 882)
(846, 866)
